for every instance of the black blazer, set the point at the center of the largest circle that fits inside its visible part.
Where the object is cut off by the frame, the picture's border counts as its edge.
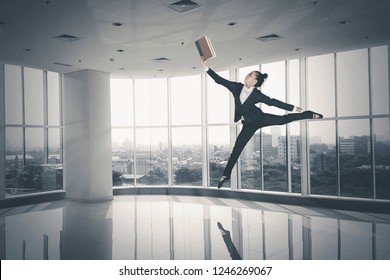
(248, 110)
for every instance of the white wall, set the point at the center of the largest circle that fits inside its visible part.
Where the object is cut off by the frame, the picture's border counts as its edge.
(87, 136)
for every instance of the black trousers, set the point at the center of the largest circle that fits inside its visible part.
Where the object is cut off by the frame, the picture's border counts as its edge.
(249, 129)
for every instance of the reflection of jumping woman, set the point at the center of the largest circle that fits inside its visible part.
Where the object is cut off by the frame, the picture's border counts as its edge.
(246, 96)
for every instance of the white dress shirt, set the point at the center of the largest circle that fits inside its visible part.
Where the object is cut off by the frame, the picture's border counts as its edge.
(245, 92)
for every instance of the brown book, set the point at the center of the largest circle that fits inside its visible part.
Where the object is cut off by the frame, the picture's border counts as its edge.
(205, 48)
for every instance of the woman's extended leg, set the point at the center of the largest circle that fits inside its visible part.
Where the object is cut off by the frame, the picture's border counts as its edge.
(269, 119)
(242, 139)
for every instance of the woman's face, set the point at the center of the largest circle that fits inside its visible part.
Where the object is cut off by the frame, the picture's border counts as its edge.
(250, 79)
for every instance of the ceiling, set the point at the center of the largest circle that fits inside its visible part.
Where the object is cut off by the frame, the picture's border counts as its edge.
(147, 38)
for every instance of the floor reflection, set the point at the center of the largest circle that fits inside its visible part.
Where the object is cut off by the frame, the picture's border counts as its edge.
(182, 227)
(229, 243)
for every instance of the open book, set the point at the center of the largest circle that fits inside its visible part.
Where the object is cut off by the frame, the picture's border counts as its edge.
(205, 48)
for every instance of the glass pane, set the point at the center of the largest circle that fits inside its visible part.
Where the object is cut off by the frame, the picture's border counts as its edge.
(13, 94)
(152, 102)
(13, 160)
(293, 81)
(53, 98)
(217, 100)
(187, 156)
(275, 85)
(352, 83)
(186, 100)
(54, 145)
(33, 172)
(355, 158)
(294, 128)
(380, 80)
(33, 96)
(53, 175)
(34, 146)
(250, 163)
(152, 156)
(275, 160)
(321, 85)
(381, 132)
(122, 157)
(323, 159)
(121, 102)
(219, 152)
(294, 146)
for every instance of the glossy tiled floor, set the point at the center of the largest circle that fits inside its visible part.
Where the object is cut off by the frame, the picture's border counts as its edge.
(155, 227)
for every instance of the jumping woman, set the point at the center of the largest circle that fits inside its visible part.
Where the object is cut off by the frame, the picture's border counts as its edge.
(246, 96)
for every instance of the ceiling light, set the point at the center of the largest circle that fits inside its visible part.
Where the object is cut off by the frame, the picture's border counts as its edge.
(62, 64)
(233, 23)
(161, 59)
(183, 6)
(67, 38)
(344, 22)
(269, 37)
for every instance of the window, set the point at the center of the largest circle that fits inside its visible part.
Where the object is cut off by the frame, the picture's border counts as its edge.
(218, 151)
(217, 101)
(152, 156)
(123, 170)
(186, 100)
(33, 96)
(177, 122)
(152, 102)
(321, 85)
(33, 130)
(323, 158)
(355, 158)
(274, 137)
(13, 95)
(380, 80)
(187, 156)
(352, 83)
(381, 140)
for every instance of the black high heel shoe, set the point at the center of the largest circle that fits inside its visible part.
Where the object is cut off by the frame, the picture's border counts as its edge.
(222, 180)
(221, 229)
(315, 115)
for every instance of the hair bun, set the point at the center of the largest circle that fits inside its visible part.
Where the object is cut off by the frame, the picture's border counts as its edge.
(265, 76)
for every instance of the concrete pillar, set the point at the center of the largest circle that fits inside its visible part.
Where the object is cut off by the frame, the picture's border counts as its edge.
(87, 136)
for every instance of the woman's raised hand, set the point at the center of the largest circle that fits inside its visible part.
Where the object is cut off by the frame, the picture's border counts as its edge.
(202, 61)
